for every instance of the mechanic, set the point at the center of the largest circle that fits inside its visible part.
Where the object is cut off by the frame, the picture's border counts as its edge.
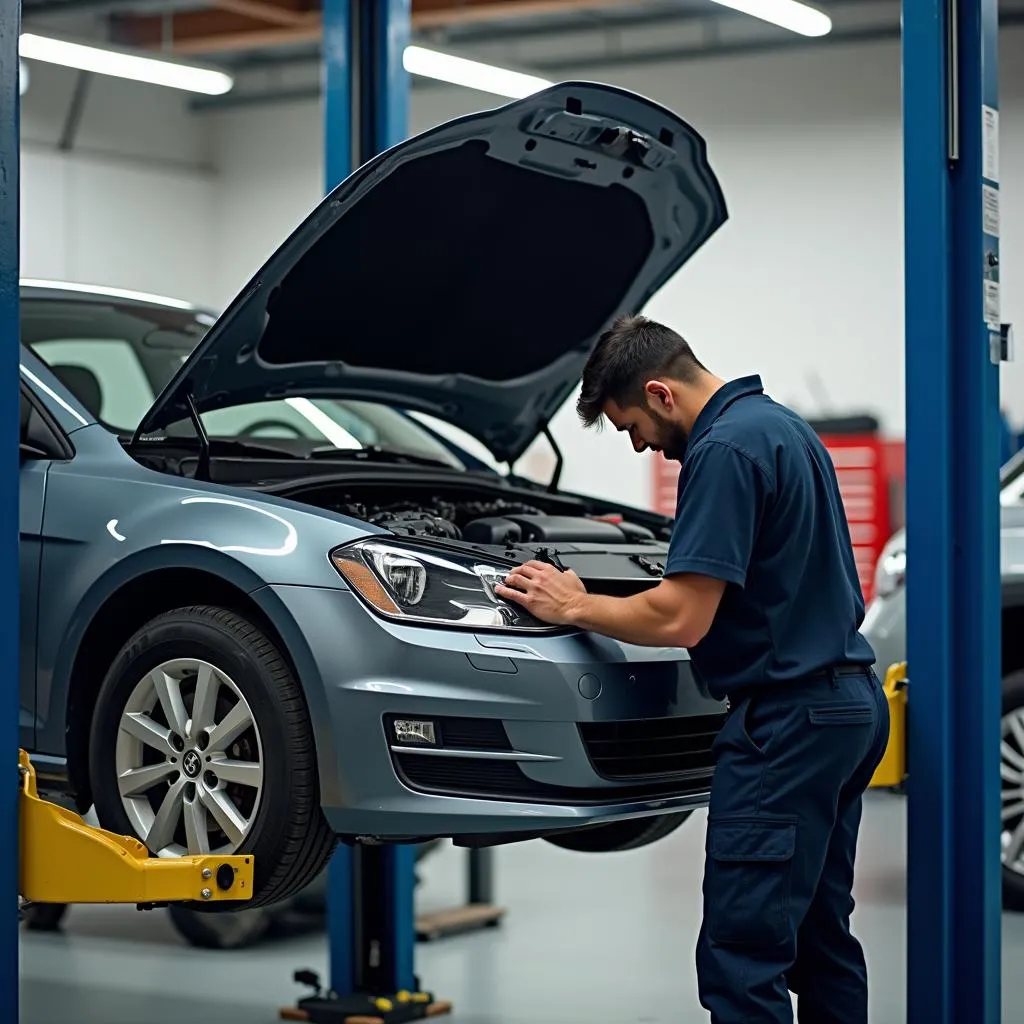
(760, 585)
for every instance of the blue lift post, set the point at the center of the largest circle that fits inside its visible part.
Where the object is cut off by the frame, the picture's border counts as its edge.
(952, 354)
(370, 910)
(10, 19)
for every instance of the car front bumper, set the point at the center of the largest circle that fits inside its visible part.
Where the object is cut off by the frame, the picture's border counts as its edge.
(536, 734)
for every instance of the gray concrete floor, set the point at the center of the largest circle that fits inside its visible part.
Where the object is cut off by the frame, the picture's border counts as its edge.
(587, 940)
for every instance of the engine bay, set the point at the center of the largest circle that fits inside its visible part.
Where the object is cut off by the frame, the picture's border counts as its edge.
(496, 522)
(611, 550)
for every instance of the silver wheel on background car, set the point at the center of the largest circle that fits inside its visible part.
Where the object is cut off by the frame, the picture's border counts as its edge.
(1011, 768)
(189, 760)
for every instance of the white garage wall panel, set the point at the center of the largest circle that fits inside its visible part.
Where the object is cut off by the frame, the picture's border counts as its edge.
(131, 203)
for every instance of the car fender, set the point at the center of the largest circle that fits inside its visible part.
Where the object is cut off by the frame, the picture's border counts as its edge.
(226, 567)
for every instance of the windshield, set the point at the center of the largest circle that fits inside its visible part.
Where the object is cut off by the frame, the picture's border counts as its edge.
(116, 357)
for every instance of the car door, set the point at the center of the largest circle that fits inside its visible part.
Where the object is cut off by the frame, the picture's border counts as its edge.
(41, 441)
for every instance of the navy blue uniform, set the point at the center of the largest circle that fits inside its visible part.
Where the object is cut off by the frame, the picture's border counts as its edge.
(759, 507)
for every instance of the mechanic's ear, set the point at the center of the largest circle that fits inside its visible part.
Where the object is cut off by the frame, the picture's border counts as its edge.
(659, 394)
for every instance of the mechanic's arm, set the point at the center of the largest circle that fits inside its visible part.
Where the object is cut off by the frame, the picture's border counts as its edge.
(676, 613)
(723, 494)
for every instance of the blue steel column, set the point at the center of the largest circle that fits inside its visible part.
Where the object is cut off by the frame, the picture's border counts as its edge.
(366, 101)
(337, 92)
(953, 940)
(10, 17)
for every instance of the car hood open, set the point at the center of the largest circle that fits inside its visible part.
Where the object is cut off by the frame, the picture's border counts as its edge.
(469, 271)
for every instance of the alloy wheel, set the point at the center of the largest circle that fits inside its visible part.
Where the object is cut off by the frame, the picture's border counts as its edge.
(1011, 769)
(189, 760)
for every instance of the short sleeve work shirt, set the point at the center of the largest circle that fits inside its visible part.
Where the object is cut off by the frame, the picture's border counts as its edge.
(759, 508)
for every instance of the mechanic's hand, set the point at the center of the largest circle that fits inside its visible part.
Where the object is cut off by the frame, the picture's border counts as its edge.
(545, 592)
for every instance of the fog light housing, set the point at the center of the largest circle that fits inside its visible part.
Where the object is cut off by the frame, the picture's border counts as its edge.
(414, 732)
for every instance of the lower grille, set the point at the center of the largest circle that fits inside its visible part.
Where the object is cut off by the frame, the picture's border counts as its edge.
(652, 748)
(504, 780)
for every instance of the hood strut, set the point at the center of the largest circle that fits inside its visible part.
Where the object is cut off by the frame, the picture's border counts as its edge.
(203, 465)
(559, 458)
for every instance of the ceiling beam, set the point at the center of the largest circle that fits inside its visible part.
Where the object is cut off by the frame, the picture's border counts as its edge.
(259, 24)
(263, 10)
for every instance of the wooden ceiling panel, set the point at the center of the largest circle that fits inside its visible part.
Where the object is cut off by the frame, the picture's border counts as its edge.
(238, 25)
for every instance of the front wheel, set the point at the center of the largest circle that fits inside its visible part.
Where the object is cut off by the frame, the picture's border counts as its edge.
(201, 744)
(1011, 768)
(619, 836)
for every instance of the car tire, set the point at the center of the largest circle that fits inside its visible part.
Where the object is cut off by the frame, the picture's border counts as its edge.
(1013, 705)
(234, 930)
(44, 917)
(619, 836)
(255, 789)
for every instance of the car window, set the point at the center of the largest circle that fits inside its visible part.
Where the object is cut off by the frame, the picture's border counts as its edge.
(122, 391)
(283, 418)
(117, 356)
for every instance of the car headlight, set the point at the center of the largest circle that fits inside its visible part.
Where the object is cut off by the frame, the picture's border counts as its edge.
(415, 584)
(891, 571)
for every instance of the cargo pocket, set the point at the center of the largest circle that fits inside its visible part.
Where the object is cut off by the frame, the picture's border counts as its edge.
(749, 878)
(846, 713)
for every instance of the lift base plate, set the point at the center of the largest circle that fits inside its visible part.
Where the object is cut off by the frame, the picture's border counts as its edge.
(364, 1009)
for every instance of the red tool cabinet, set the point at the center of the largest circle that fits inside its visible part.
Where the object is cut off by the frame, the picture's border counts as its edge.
(864, 465)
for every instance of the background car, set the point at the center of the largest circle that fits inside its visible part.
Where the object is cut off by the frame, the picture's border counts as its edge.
(885, 625)
(258, 608)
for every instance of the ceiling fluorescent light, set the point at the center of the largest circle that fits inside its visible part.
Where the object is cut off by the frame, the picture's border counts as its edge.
(791, 14)
(470, 73)
(103, 60)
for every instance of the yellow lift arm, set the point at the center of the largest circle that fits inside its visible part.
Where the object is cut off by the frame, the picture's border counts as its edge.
(64, 860)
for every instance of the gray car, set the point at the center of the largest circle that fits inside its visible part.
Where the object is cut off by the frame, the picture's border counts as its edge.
(885, 626)
(257, 605)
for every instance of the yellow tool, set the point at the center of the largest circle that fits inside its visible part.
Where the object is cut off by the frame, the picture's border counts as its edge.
(64, 860)
(893, 768)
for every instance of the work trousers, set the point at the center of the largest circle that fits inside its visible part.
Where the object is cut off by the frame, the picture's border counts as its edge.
(791, 767)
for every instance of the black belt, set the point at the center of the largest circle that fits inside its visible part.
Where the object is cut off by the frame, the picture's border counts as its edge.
(850, 669)
(788, 685)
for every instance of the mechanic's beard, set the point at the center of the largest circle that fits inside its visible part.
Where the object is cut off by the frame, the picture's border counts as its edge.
(672, 439)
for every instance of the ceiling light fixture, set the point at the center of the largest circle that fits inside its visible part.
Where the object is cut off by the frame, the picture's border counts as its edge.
(471, 74)
(105, 60)
(797, 17)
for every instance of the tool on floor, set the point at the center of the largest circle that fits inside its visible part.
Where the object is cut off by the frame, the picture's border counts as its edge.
(64, 860)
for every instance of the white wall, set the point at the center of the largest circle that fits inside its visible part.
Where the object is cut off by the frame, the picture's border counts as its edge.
(131, 203)
(804, 284)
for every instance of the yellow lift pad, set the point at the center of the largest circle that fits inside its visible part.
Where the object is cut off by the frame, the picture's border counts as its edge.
(64, 860)
(893, 767)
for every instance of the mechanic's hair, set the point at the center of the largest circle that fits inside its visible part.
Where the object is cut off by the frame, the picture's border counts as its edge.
(629, 354)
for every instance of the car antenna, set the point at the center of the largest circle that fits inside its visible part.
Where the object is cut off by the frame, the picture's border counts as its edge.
(203, 465)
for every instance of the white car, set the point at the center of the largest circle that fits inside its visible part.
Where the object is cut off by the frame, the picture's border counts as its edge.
(885, 626)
